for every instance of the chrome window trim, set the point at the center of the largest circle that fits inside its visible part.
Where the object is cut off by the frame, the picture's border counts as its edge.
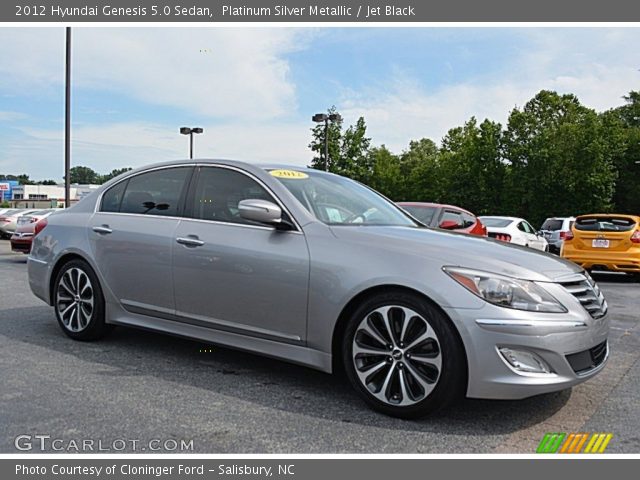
(298, 228)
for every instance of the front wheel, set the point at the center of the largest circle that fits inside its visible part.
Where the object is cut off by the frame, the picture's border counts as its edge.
(78, 302)
(403, 356)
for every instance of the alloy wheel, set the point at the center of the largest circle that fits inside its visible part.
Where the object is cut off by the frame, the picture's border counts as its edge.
(75, 299)
(396, 354)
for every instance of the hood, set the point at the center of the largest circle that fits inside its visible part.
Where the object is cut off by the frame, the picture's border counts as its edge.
(457, 249)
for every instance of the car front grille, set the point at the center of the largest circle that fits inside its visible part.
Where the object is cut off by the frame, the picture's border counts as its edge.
(583, 362)
(588, 294)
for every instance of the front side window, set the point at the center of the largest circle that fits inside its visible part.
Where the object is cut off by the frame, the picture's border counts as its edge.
(469, 220)
(218, 192)
(153, 193)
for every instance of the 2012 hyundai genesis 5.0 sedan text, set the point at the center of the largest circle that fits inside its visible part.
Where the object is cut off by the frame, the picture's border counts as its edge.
(319, 270)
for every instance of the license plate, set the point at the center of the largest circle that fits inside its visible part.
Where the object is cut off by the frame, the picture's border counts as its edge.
(599, 243)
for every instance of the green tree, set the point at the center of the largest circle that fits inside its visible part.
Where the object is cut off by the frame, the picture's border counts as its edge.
(471, 168)
(354, 146)
(420, 172)
(83, 175)
(334, 139)
(561, 161)
(347, 150)
(386, 176)
(114, 173)
(623, 123)
(47, 182)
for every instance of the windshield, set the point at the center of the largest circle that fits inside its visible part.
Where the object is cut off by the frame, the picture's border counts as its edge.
(552, 224)
(495, 222)
(336, 200)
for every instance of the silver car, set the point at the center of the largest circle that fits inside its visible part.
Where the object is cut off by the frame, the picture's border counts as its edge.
(319, 270)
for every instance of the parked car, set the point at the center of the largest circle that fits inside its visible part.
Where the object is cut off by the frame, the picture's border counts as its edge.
(28, 226)
(446, 217)
(256, 258)
(515, 230)
(9, 221)
(605, 242)
(555, 230)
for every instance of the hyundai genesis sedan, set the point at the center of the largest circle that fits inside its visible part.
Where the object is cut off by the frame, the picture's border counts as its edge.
(319, 270)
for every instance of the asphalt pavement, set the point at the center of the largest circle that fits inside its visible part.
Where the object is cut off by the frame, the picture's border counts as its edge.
(138, 391)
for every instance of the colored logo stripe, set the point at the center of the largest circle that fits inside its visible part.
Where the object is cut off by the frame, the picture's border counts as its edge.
(574, 443)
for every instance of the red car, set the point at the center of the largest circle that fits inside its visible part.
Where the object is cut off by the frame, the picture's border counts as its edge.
(446, 217)
(28, 227)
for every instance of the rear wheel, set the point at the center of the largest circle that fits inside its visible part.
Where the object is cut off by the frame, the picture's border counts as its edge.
(78, 302)
(402, 355)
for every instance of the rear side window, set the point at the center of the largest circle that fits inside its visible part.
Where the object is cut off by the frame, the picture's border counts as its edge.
(552, 224)
(605, 224)
(154, 193)
(424, 214)
(112, 198)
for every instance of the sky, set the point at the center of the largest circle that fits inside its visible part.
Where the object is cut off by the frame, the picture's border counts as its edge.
(254, 90)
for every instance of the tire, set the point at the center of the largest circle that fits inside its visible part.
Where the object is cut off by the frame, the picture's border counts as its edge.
(414, 388)
(77, 282)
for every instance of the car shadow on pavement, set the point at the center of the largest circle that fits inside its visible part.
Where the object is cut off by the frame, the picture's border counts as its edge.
(266, 382)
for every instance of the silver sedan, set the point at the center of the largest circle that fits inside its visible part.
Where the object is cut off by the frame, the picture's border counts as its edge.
(319, 270)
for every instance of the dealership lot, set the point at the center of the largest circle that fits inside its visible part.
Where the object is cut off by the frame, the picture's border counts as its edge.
(135, 386)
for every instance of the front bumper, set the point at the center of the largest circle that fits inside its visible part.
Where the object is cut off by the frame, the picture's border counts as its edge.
(560, 342)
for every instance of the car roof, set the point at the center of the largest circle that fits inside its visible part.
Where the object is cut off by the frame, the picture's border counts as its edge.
(246, 165)
(499, 217)
(611, 215)
(431, 204)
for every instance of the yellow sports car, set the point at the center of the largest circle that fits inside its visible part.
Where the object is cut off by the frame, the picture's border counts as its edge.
(604, 242)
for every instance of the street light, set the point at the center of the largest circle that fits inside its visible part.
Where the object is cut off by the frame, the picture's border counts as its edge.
(323, 117)
(190, 132)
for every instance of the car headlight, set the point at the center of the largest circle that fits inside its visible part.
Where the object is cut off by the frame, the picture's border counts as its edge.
(506, 291)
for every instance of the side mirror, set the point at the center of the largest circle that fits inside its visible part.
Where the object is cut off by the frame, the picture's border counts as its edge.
(449, 225)
(261, 211)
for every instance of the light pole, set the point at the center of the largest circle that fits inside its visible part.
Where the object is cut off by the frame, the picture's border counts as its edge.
(323, 117)
(190, 132)
(67, 122)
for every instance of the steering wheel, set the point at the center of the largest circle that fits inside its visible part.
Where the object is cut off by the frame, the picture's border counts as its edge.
(354, 217)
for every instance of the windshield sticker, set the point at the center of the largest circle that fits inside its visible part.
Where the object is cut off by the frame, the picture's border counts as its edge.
(288, 174)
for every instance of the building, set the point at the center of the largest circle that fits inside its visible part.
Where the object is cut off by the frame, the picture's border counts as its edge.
(6, 189)
(46, 196)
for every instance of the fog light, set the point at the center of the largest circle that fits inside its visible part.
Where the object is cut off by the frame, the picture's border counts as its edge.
(524, 361)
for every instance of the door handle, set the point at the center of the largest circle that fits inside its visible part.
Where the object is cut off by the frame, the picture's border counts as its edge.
(102, 229)
(190, 241)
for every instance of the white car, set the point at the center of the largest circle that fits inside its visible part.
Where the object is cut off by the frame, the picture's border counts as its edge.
(515, 230)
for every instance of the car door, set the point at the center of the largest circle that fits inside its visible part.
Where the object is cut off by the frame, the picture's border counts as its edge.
(132, 233)
(532, 239)
(235, 275)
